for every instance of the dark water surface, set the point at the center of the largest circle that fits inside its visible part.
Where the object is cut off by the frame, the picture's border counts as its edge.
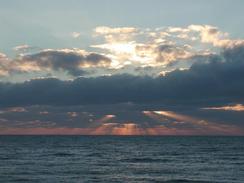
(77, 159)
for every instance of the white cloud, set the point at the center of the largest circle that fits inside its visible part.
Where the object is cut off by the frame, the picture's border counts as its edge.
(5, 65)
(125, 49)
(75, 34)
(117, 30)
(22, 47)
(212, 35)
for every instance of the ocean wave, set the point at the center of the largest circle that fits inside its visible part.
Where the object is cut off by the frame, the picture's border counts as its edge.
(144, 160)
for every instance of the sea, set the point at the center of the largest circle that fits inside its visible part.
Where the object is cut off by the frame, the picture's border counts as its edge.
(112, 159)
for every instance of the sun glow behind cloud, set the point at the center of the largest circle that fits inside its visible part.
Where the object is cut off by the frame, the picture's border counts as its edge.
(165, 123)
(200, 126)
(127, 50)
(120, 50)
(155, 73)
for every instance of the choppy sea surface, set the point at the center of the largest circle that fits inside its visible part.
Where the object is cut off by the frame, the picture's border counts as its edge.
(78, 159)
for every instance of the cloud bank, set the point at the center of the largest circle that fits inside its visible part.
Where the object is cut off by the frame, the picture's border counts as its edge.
(218, 78)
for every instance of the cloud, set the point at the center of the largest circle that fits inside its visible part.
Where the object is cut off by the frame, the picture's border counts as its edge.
(6, 65)
(72, 114)
(218, 78)
(116, 119)
(188, 122)
(237, 107)
(117, 30)
(45, 131)
(22, 48)
(194, 85)
(75, 34)
(212, 35)
(129, 128)
(161, 46)
(121, 50)
(73, 61)
(168, 53)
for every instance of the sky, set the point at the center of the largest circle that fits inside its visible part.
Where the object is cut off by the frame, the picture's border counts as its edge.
(109, 67)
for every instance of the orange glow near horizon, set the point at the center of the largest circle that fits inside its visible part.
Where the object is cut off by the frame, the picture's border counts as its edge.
(104, 127)
(128, 129)
(124, 130)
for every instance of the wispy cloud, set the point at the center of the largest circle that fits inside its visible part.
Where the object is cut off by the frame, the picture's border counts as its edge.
(75, 34)
(237, 107)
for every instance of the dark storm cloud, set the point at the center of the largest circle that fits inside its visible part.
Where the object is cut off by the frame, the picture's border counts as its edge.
(219, 79)
(70, 61)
